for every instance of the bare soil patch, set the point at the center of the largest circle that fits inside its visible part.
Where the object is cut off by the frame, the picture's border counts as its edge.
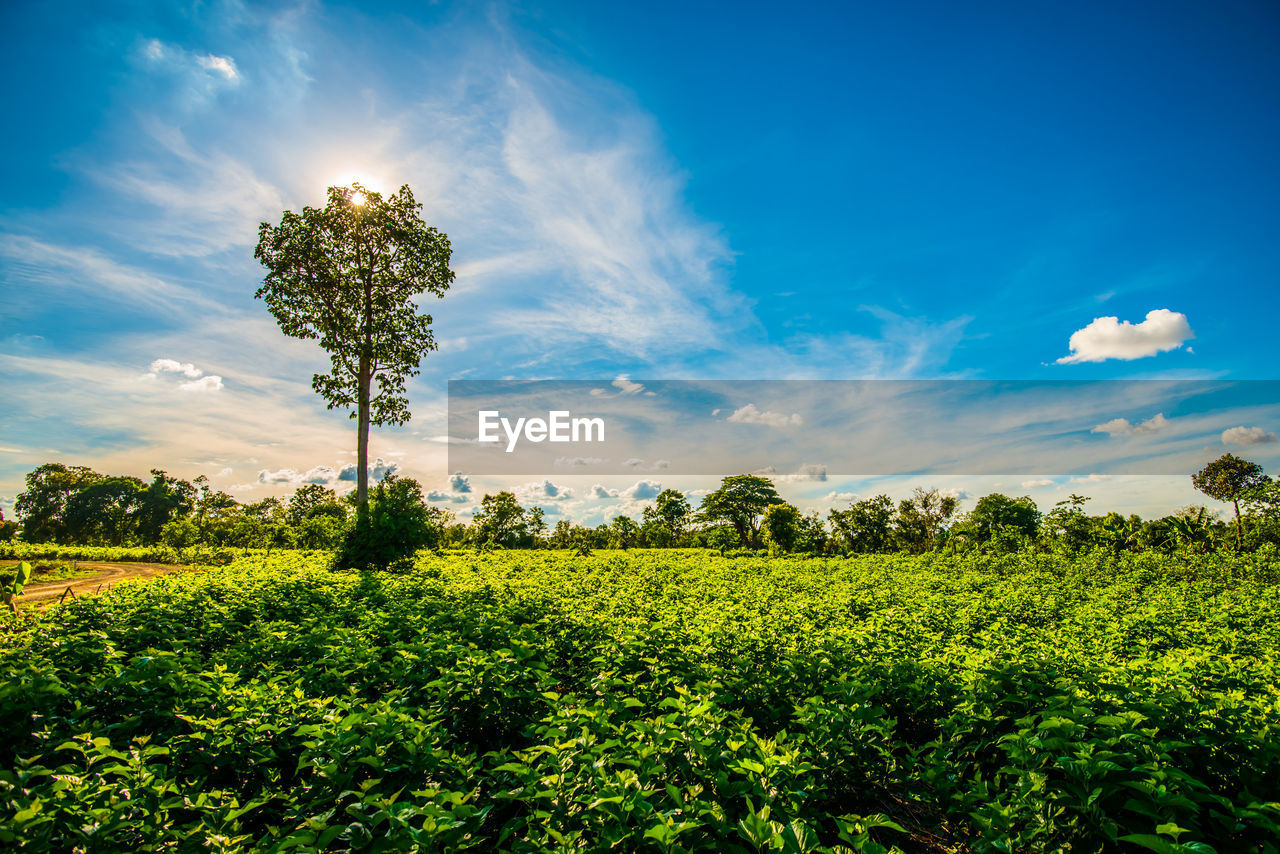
(107, 576)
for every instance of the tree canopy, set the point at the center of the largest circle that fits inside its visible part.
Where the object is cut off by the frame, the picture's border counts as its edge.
(741, 501)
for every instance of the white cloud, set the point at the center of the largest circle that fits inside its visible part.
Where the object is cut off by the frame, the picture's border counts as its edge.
(642, 490)
(542, 491)
(437, 496)
(1035, 484)
(626, 386)
(1122, 426)
(319, 474)
(839, 497)
(1110, 338)
(327, 475)
(1247, 436)
(203, 73)
(279, 476)
(172, 366)
(749, 414)
(378, 469)
(598, 491)
(209, 383)
(224, 65)
(1091, 478)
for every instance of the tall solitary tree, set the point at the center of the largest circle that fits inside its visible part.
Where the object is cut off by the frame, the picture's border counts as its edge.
(1229, 478)
(347, 274)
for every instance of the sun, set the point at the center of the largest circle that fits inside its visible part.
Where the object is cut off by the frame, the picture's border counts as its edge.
(368, 182)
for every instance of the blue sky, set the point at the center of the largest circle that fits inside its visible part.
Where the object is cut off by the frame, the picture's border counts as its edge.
(656, 191)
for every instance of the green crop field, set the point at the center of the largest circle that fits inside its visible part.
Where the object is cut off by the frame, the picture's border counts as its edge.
(653, 701)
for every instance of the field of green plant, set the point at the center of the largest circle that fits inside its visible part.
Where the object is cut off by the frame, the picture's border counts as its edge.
(653, 701)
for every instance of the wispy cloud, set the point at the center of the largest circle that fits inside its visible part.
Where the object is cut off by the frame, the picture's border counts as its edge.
(750, 414)
(1123, 427)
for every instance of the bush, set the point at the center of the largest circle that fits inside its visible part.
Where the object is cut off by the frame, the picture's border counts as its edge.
(394, 525)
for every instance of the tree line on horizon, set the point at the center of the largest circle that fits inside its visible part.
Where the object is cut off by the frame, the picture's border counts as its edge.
(77, 505)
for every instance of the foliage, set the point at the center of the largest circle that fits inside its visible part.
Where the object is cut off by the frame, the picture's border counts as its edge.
(347, 275)
(55, 551)
(500, 520)
(8, 529)
(998, 516)
(866, 526)
(13, 586)
(922, 518)
(780, 527)
(389, 529)
(654, 701)
(740, 501)
(42, 505)
(1230, 478)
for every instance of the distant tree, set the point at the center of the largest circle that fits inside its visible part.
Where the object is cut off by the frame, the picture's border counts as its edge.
(180, 534)
(103, 512)
(1068, 524)
(623, 532)
(248, 532)
(812, 536)
(308, 497)
(347, 274)
(866, 526)
(673, 510)
(562, 535)
(164, 499)
(280, 535)
(320, 531)
(654, 532)
(269, 509)
(1229, 478)
(537, 525)
(998, 514)
(501, 520)
(780, 525)
(214, 509)
(1121, 533)
(722, 538)
(40, 507)
(740, 501)
(923, 516)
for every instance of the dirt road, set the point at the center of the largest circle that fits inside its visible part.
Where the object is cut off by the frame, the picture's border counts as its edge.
(109, 575)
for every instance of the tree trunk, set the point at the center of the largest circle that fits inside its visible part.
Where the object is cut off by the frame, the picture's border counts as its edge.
(362, 442)
(1239, 530)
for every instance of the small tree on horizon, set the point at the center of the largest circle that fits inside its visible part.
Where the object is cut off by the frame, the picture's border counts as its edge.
(740, 501)
(1230, 478)
(347, 275)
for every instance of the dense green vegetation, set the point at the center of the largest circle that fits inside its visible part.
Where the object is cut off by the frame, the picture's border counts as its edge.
(659, 700)
(75, 505)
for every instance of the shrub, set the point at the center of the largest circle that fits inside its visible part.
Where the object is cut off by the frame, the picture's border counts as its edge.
(394, 525)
